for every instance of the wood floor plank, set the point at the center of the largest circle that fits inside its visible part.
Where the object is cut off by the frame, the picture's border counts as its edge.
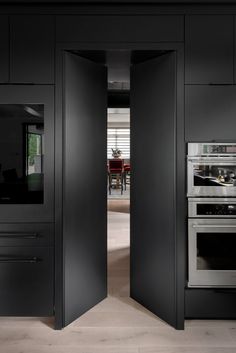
(118, 324)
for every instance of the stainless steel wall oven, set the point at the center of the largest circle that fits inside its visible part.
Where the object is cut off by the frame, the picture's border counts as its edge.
(212, 242)
(211, 192)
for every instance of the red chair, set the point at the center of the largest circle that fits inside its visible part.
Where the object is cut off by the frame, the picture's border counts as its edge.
(126, 172)
(116, 169)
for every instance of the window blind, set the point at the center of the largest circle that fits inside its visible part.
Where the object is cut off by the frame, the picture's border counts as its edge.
(118, 138)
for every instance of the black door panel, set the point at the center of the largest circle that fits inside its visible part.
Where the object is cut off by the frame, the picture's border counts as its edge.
(153, 238)
(84, 198)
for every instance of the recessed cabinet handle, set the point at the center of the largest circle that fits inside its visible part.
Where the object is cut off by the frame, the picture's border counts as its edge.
(28, 260)
(213, 226)
(19, 235)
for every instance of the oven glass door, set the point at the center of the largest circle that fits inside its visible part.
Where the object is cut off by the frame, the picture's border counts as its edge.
(212, 177)
(22, 153)
(212, 258)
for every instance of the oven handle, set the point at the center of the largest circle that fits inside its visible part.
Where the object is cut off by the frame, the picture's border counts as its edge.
(214, 226)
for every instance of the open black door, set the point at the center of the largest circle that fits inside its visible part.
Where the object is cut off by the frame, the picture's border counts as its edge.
(84, 186)
(153, 159)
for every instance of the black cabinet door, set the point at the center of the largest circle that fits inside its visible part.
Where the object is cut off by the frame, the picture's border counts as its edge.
(153, 159)
(84, 190)
(209, 49)
(4, 49)
(113, 28)
(26, 277)
(210, 113)
(32, 49)
(26, 153)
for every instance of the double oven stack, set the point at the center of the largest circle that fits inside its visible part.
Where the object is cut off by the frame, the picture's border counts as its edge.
(211, 192)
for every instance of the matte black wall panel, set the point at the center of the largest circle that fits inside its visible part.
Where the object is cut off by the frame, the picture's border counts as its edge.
(210, 113)
(32, 49)
(120, 28)
(85, 175)
(209, 49)
(153, 98)
(210, 303)
(4, 49)
(27, 285)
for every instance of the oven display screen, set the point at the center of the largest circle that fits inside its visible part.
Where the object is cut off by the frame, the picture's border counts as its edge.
(216, 209)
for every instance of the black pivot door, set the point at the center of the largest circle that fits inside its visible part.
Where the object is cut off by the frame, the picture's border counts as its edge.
(84, 186)
(153, 237)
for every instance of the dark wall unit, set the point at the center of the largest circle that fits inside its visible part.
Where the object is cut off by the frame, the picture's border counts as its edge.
(210, 113)
(120, 28)
(32, 49)
(26, 269)
(28, 36)
(209, 303)
(4, 49)
(209, 49)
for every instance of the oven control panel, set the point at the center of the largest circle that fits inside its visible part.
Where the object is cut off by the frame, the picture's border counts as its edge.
(216, 209)
(212, 208)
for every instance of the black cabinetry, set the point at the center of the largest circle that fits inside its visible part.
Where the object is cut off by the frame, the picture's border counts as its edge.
(209, 49)
(26, 269)
(4, 49)
(114, 28)
(210, 113)
(207, 303)
(32, 49)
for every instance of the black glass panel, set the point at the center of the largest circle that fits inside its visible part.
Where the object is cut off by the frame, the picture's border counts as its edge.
(21, 153)
(216, 251)
(215, 175)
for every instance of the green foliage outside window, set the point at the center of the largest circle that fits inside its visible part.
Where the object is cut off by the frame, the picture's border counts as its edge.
(33, 145)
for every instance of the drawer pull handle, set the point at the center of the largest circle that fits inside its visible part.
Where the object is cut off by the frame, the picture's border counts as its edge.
(19, 235)
(23, 260)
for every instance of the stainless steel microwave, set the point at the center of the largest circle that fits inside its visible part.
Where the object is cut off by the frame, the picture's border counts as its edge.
(211, 170)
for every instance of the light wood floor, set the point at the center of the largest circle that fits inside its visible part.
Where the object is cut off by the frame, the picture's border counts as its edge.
(118, 324)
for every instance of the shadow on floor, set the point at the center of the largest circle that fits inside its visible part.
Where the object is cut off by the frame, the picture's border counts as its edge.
(121, 206)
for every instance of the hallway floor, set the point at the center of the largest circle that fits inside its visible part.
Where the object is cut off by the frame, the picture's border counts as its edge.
(118, 324)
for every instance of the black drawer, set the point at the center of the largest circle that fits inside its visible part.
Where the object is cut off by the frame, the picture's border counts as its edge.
(26, 281)
(27, 234)
(210, 303)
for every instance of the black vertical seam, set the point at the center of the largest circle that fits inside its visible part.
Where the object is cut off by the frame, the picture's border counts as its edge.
(9, 50)
(184, 57)
(54, 156)
(233, 49)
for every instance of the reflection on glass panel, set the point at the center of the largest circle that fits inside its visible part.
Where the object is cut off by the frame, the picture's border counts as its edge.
(215, 175)
(216, 251)
(21, 153)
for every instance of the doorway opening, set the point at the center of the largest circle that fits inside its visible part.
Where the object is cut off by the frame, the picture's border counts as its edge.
(145, 83)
